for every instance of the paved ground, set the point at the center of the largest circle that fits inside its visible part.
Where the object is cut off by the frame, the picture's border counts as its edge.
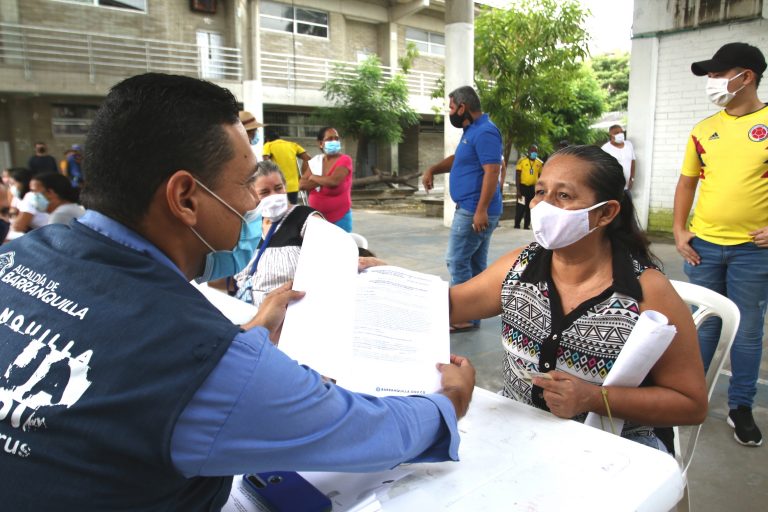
(724, 475)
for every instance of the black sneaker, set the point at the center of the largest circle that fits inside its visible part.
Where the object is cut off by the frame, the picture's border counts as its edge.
(746, 432)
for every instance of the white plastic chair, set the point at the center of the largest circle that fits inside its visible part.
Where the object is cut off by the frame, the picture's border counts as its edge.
(360, 240)
(708, 304)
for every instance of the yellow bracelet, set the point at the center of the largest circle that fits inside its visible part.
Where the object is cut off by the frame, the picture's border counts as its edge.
(604, 392)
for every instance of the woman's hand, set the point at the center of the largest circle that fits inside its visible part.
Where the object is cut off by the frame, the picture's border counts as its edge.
(364, 262)
(272, 310)
(567, 396)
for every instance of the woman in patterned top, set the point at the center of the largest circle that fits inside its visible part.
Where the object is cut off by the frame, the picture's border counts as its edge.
(569, 301)
(282, 233)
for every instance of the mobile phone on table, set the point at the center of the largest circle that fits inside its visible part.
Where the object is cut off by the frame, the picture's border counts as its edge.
(287, 491)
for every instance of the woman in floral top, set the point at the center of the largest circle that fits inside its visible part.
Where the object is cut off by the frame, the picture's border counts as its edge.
(569, 301)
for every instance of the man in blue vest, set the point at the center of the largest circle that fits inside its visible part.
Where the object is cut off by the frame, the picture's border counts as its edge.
(122, 387)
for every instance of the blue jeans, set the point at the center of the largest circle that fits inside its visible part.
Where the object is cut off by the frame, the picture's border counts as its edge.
(345, 222)
(740, 272)
(467, 253)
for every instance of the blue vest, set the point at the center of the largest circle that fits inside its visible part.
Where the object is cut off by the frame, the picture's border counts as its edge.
(101, 348)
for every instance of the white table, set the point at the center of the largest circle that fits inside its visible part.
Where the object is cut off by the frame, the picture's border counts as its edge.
(518, 458)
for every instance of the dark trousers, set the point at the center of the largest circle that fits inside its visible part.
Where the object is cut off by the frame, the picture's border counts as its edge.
(524, 210)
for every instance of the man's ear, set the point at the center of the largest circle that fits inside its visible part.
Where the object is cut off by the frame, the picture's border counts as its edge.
(180, 194)
(608, 212)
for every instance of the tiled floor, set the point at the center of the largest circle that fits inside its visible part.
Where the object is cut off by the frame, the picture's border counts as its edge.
(724, 475)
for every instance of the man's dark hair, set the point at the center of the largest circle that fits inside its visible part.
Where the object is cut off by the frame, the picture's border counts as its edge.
(615, 126)
(59, 184)
(606, 179)
(149, 127)
(271, 134)
(468, 97)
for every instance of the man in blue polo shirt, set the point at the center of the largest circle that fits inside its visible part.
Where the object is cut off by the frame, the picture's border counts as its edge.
(474, 186)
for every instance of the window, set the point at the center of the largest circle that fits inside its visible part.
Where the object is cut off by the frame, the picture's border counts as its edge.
(72, 120)
(211, 59)
(292, 125)
(426, 42)
(296, 20)
(129, 5)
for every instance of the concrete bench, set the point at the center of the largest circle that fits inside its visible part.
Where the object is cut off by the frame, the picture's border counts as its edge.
(433, 207)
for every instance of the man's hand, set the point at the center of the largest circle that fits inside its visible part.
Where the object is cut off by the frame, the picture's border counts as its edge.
(428, 180)
(760, 237)
(272, 310)
(683, 245)
(458, 382)
(480, 221)
(567, 396)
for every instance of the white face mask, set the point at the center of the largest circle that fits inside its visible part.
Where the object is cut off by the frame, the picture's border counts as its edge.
(717, 90)
(274, 206)
(618, 138)
(555, 228)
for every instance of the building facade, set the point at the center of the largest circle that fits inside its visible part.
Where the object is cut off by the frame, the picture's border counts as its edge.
(58, 59)
(665, 98)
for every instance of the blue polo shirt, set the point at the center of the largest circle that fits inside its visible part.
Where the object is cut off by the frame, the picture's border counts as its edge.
(480, 145)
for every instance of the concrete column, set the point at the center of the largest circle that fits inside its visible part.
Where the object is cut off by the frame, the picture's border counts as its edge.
(253, 102)
(641, 122)
(459, 71)
(391, 52)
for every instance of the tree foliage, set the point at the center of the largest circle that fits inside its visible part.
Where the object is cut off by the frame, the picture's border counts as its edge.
(367, 106)
(530, 75)
(586, 104)
(612, 72)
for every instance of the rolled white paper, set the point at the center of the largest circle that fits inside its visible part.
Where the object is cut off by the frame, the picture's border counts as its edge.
(648, 340)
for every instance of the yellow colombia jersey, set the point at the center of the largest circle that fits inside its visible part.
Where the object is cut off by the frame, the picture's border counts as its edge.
(730, 156)
(529, 172)
(284, 154)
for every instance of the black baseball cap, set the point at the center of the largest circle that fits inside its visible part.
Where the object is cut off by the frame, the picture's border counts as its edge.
(729, 56)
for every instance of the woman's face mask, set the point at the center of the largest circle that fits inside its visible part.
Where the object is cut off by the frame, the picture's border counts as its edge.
(273, 206)
(332, 147)
(555, 227)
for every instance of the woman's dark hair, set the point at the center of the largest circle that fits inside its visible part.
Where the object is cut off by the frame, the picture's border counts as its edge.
(59, 184)
(606, 178)
(22, 176)
(321, 133)
(149, 127)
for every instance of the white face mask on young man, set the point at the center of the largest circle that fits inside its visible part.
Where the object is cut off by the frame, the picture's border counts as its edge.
(618, 138)
(554, 228)
(717, 90)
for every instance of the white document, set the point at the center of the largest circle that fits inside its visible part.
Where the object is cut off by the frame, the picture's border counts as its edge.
(237, 311)
(646, 343)
(380, 332)
(316, 166)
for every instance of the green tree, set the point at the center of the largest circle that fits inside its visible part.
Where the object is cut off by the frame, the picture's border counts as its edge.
(527, 57)
(369, 107)
(612, 72)
(587, 102)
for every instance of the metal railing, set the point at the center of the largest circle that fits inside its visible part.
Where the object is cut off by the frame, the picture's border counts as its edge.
(46, 48)
(303, 72)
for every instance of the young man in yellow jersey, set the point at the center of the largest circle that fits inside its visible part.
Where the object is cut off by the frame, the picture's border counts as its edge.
(726, 246)
(285, 154)
(527, 174)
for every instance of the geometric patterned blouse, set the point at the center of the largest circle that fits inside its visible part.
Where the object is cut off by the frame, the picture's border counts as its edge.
(538, 336)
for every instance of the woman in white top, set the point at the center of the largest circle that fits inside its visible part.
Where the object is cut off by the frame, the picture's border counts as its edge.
(282, 232)
(55, 195)
(27, 217)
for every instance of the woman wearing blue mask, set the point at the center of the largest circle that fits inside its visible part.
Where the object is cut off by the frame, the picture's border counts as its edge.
(55, 195)
(333, 198)
(569, 301)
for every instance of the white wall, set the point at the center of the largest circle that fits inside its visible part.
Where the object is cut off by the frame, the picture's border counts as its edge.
(679, 103)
